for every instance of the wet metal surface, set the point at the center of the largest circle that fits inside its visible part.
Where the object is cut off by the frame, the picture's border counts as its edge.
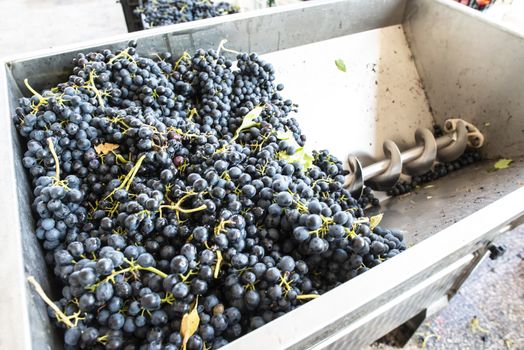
(443, 202)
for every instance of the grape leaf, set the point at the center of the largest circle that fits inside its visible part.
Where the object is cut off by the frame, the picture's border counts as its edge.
(248, 120)
(340, 65)
(105, 148)
(288, 135)
(189, 324)
(502, 164)
(375, 220)
(301, 156)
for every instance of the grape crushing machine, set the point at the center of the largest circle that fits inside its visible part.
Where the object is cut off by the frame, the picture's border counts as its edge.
(410, 64)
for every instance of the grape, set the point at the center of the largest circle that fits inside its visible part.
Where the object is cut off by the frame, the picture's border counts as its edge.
(180, 290)
(166, 12)
(150, 301)
(439, 170)
(115, 321)
(104, 292)
(189, 208)
(287, 264)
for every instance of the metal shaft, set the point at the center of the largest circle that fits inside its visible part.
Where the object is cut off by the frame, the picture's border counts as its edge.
(378, 168)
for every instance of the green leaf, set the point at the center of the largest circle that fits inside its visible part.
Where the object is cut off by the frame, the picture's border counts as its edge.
(248, 121)
(285, 135)
(302, 157)
(374, 221)
(308, 160)
(340, 65)
(502, 164)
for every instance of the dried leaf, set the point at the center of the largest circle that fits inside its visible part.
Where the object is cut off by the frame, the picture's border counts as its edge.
(502, 164)
(219, 262)
(340, 65)
(189, 324)
(475, 326)
(375, 220)
(105, 148)
(248, 120)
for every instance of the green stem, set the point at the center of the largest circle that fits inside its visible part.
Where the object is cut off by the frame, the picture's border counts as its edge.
(178, 205)
(33, 91)
(153, 270)
(55, 157)
(307, 296)
(129, 178)
(59, 314)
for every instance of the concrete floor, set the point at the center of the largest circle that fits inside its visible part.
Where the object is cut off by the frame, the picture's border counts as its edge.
(487, 311)
(30, 25)
(494, 294)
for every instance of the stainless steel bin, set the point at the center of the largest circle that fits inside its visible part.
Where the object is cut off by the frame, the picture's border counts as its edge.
(410, 63)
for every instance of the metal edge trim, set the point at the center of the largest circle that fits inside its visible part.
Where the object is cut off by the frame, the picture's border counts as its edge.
(14, 316)
(181, 28)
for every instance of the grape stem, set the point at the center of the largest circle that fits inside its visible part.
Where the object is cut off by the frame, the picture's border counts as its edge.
(218, 264)
(221, 47)
(59, 314)
(122, 54)
(55, 157)
(178, 205)
(91, 85)
(129, 178)
(133, 267)
(307, 296)
(185, 57)
(33, 91)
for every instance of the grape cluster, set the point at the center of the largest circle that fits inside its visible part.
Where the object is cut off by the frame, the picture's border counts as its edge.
(170, 187)
(165, 12)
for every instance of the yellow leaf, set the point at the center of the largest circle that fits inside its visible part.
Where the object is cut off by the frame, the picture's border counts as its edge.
(502, 164)
(105, 148)
(189, 324)
(219, 262)
(374, 221)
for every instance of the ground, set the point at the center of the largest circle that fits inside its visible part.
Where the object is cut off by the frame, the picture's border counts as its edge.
(487, 311)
